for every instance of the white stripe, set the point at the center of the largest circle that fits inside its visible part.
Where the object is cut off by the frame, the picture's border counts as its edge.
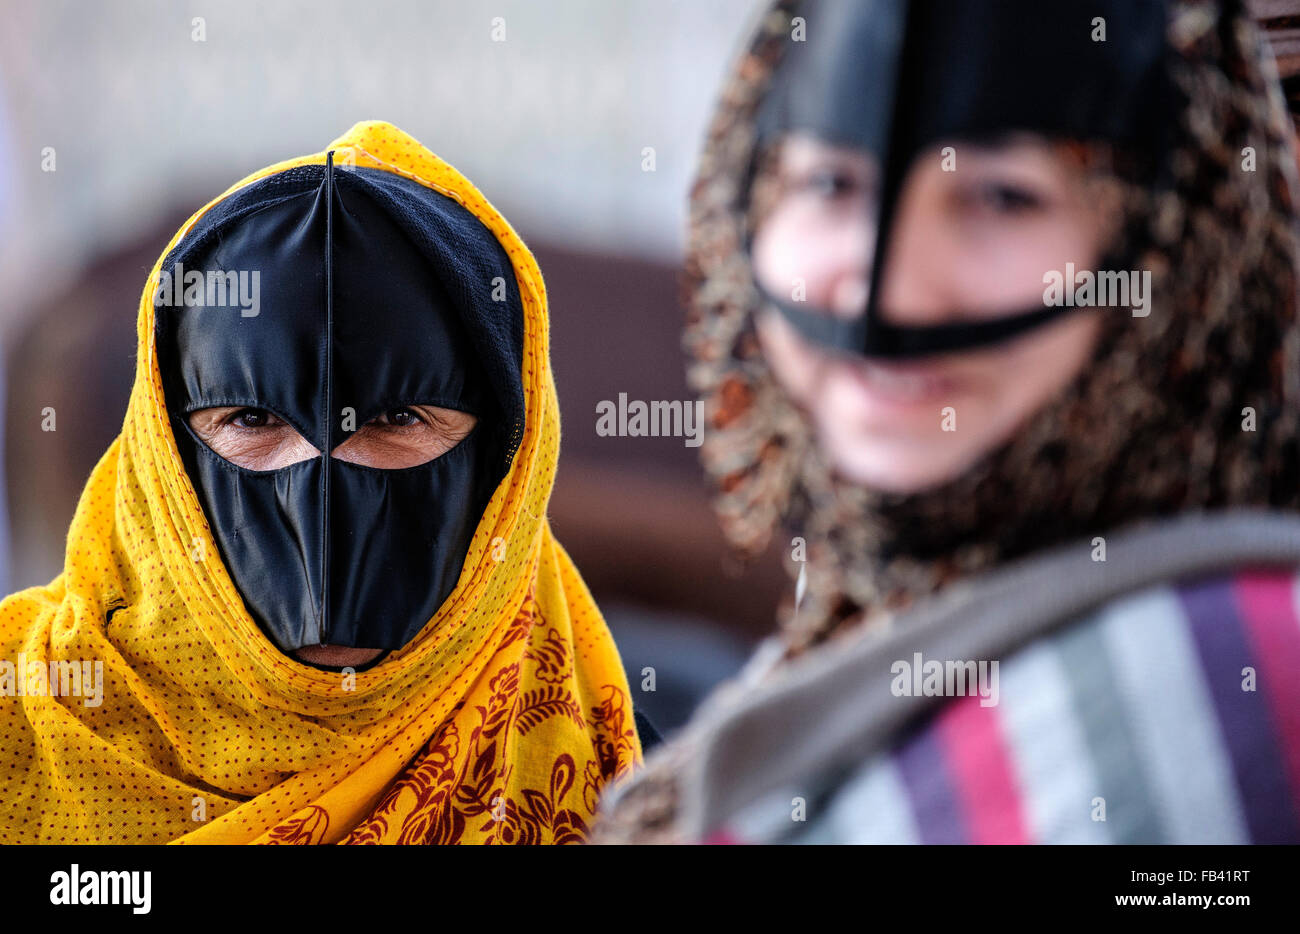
(871, 807)
(1048, 751)
(1174, 721)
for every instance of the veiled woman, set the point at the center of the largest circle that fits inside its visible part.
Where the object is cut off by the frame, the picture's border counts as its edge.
(311, 585)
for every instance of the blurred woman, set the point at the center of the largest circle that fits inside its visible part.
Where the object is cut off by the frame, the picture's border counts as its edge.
(995, 307)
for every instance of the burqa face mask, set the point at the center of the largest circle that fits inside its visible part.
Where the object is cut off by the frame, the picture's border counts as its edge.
(896, 80)
(306, 295)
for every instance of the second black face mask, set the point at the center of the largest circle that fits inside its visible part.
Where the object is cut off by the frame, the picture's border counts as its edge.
(894, 78)
(304, 296)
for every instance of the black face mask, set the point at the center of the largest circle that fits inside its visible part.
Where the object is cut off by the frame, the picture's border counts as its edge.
(361, 292)
(896, 78)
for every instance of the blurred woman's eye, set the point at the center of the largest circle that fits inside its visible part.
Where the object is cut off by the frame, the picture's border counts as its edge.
(1006, 198)
(827, 184)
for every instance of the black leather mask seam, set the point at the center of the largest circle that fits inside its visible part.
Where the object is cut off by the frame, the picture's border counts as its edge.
(327, 404)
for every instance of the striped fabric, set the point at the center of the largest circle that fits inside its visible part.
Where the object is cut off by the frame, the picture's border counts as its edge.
(1172, 716)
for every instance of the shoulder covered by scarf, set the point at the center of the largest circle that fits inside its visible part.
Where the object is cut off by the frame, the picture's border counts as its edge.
(140, 703)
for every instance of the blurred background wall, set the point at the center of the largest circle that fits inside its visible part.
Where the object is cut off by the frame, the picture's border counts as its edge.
(118, 119)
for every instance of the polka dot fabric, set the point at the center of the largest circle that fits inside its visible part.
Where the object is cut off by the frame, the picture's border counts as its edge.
(500, 722)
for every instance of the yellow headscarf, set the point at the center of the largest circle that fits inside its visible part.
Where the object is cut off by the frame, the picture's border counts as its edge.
(499, 723)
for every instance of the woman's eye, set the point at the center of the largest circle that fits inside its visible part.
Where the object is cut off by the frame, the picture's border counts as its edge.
(401, 418)
(251, 418)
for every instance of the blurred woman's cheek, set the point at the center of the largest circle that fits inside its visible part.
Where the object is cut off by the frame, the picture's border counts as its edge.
(814, 257)
(1014, 382)
(790, 259)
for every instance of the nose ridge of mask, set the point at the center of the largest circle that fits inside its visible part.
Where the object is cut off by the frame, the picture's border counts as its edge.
(352, 320)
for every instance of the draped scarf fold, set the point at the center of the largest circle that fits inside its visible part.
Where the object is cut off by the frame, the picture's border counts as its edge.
(500, 722)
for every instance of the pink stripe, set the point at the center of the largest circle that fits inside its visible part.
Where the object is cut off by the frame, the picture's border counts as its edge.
(985, 785)
(1267, 601)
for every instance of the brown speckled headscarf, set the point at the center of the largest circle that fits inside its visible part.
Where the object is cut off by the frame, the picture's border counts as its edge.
(1152, 427)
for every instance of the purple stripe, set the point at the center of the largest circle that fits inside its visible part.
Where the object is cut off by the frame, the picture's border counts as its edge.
(1245, 720)
(929, 786)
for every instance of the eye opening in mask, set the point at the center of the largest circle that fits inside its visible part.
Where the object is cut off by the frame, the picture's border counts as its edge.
(437, 430)
(258, 439)
(460, 448)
